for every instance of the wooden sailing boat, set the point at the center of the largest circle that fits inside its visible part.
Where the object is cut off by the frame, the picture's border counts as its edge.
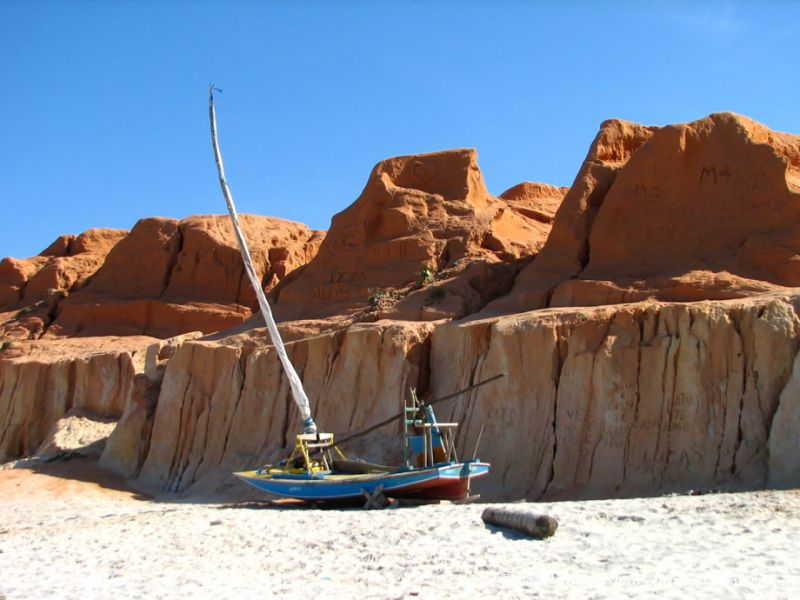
(316, 469)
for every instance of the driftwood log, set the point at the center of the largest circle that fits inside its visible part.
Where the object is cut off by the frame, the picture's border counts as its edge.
(537, 526)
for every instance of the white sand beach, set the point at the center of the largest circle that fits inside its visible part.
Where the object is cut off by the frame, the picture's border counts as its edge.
(69, 531)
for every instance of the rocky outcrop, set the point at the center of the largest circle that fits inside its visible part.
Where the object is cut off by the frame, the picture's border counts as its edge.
(537, 201)
(65, 265)
(472, 282)
(72, 262)
(728, 201)
(36, 391)
(170, 277)
(14, 274)
(566, 251)
(632, 399)
(31, 288)
(209, 265)
(693, 386)
(50, 393)
(416, 213)
(701, 210)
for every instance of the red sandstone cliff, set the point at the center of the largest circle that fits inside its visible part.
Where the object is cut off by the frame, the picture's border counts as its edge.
(701, 210)
(30, 289)
(648, 324)
(163, 278)
(430, 211)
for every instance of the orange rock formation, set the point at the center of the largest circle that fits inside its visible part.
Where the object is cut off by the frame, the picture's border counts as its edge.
(164, 278)
(36, 285)
(701, 210)
(647, 323)
(428, 211)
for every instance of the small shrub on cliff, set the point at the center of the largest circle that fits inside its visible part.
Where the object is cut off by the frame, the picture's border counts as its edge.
(424, 277)
(375, 296)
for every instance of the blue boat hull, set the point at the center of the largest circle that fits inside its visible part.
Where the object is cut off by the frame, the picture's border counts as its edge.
(447, 481)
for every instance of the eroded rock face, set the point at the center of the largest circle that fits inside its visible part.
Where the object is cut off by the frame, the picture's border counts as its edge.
(38, 390)
(633, 396)
(416, 212)
(622, 400)
(65, 265)
(701, 210)
(784, 443)
(223, 408)
(14, 274)
(642, 398)
(537, 201)
(170, 277)
(31, 288)
(719, 195)
(209, 266)
(566, 251)
(50, 389)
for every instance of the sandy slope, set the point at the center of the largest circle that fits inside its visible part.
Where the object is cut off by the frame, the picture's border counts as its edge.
(69, 532)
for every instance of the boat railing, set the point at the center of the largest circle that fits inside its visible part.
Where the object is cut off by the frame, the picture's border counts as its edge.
(437, 439)
(321, 445)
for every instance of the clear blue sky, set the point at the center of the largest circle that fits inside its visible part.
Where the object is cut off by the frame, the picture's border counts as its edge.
(105, 114)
